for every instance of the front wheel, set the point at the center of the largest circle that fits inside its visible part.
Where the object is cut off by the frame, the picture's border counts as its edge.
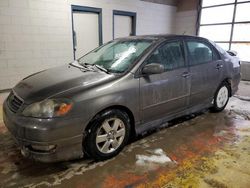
(108, 134)
(221, 98)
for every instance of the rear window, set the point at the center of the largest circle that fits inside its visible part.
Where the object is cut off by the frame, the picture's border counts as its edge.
(220, 49)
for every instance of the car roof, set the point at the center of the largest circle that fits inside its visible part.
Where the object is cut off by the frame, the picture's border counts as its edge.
(159, 36)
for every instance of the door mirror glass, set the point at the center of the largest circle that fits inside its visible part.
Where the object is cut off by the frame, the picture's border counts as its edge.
(153, 68)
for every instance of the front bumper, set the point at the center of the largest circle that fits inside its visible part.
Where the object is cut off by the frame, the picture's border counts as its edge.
(64, 136)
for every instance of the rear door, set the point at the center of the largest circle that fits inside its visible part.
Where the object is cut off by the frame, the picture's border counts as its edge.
(205, 69)
(166, 93)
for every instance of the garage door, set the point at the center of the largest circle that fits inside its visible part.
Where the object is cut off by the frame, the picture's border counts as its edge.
(86, 31)
(124, 24)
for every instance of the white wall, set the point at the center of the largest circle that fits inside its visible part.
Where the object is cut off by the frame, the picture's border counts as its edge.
(37, 34)
(186, 17)
(185, 22)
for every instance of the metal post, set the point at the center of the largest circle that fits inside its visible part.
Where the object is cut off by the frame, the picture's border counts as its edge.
(233, 22)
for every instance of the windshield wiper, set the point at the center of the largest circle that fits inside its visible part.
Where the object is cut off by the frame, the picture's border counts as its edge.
(97, 66)
(101, 68)
(78, 65)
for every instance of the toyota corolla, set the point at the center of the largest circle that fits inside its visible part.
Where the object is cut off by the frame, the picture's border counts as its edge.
(93, 105)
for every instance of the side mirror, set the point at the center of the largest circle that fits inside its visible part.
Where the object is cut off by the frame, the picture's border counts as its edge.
(153, 68)
(232, 52)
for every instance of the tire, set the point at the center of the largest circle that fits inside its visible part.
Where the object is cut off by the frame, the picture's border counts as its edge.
(107, 135)
(221, 98)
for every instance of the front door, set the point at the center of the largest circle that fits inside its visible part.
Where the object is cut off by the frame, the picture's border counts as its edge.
(166, 93)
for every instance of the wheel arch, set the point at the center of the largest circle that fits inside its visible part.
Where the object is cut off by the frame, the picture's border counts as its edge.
(115, 107)
(228, 82)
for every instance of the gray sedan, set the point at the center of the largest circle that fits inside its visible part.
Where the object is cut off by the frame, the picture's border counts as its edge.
(93, 105)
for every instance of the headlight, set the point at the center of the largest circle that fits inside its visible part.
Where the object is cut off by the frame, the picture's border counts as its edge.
(48, 108)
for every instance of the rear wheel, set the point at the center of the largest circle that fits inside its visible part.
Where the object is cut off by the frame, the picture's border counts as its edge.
(221, 98)
(108, 134)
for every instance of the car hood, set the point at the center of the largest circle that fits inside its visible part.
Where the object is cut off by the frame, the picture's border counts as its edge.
(57, 80)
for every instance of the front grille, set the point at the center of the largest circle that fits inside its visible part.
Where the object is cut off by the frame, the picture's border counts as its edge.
(14, 102)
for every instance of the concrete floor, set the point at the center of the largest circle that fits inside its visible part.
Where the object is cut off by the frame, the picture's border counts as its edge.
(205, 150)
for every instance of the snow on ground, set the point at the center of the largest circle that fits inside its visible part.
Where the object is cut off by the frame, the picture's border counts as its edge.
(158, 156)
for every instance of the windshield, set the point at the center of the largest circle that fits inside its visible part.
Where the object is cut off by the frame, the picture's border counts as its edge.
(116, 56)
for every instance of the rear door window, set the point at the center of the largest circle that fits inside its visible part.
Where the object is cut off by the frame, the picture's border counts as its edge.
(200, 53)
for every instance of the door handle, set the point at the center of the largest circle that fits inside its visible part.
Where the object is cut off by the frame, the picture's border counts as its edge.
(218, 66)
(185, 74)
